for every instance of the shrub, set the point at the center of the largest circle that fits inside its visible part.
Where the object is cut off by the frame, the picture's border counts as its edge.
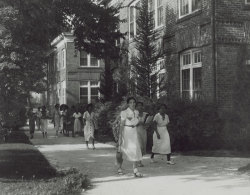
(193, 125)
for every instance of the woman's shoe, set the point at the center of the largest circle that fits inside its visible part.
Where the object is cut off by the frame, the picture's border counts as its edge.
(170, 162)
(138, 174)
(94, 148)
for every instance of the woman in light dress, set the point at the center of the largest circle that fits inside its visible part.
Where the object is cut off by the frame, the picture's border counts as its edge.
(44, 122)
(161, 139)
(130, 146)
(89, 125)
(38, 118)
(77, 123)
(141, 129)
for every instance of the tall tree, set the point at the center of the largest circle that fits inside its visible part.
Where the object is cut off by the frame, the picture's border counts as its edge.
(26, 30)
(95, 26)
(144, 63)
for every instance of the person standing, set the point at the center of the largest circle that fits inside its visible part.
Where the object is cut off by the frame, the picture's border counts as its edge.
(77, 123)
(130, 146)
(66, 121)
(57, 118)
(32, 119)
(44, 121)
(38, 118)
(141, 130)
(89, 125)
(161, 139)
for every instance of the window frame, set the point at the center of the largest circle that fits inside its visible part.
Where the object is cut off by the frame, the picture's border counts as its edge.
(247, 3)
(89, 61)
(88, 86)
(190, 3)
(157, 7)
(191, 66)
(132, 7)
(63, 58)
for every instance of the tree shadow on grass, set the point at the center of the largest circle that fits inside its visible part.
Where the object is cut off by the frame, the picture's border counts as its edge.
(19, 160)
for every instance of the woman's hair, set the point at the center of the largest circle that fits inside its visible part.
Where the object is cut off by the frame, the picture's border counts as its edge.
(57, 106)
(89, 106)
(163, 105)
(130, 98)
(139, 103)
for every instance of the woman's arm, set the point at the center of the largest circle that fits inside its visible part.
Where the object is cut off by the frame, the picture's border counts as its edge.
(156, 130)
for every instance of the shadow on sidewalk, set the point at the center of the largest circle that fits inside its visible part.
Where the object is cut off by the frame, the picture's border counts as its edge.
(19, 159)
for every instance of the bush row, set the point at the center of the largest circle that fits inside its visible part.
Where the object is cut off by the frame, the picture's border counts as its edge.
(196, 125)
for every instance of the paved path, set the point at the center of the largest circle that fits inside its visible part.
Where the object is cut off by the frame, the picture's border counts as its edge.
(191, 175)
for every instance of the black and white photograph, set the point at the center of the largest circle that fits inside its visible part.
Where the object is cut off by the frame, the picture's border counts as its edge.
(124, 97)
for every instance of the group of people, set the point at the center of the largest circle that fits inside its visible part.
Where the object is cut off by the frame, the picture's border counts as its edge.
(133, 136)
(65, 120)
(39, 119)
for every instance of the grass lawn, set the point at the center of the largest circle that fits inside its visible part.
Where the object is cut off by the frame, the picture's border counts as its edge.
(24, 170)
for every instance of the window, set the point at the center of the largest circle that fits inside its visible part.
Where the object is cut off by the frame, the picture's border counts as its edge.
(247, 2)
(191, 72)
(159, 12)
(155, 9)
(83, 58)
(63, 58)
(63, 91)
(88, 60)
(188, 6)
(133, 15)
(89, 91)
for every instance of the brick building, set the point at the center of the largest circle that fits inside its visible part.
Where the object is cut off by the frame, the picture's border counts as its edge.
(202, 41)
(73, 76)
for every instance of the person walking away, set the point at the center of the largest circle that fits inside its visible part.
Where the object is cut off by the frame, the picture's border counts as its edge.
(57, 118)
(38, 118)
(44, 122)
(89, 127)
(32, 119)
(130, 146)
(77, 123)
(141, 129)
(161, 139)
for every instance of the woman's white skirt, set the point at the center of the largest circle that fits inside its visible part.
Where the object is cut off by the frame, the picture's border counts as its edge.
(130, 145)
(162, 145)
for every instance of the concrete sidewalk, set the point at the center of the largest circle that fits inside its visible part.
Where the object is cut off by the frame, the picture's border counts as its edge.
(192, 175)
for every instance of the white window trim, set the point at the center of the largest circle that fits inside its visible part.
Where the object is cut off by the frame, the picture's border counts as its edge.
(63, 58)
(88, 86)
(88, 62)
(190, 66)
(156, 14)
(63, 91)
(155, 17)
(190, 8)
(134, 25)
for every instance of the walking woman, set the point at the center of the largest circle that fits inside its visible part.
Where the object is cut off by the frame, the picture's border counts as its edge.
(77, 123)
(44, 122)
(89, 125)
(141, 130)
(32, 118)
(161, 139)
(38, 118)
(57, 118)
(130, 146)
